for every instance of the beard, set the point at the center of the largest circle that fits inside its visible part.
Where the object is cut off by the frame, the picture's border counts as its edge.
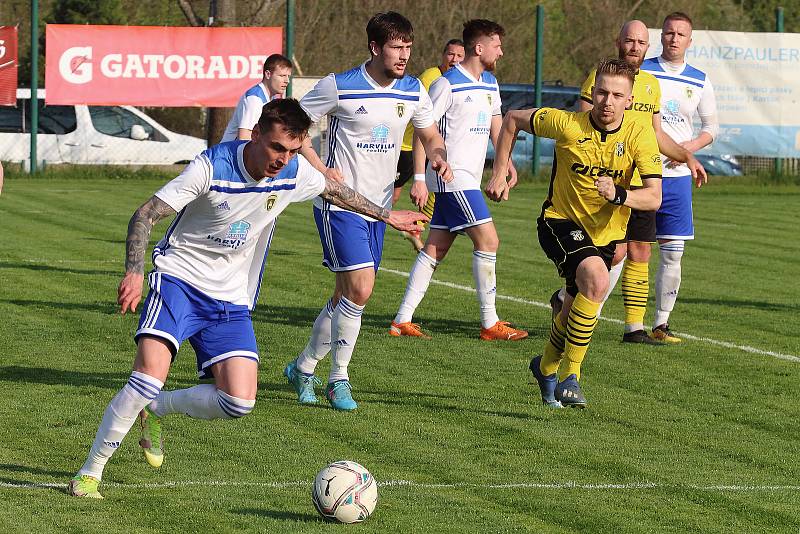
(633, 61)
(392, 74)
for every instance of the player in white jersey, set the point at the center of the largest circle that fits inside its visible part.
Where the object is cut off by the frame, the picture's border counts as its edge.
(685, 91)
(277, 71)
(208, 270)
(466, 102)
(370, 107)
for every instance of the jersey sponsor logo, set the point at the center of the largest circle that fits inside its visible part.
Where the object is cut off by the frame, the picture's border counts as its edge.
(482, 125)
(577, 235)
(644, 106)
(596, 170)
(619, 150)
(270, 203)
(379, 141)
(657, 158)
(223, 207)
(361, 111)
(401, 109)
(235, 237)
(543, 113)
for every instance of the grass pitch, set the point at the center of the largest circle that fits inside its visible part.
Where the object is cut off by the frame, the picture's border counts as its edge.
(699, 437)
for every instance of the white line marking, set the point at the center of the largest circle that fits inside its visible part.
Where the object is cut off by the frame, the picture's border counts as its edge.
(424, 485)
(726, 344)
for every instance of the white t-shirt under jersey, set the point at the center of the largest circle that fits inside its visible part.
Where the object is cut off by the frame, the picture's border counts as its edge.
(219, 240)
(684, 91)
(463, 107)
(247, 112)
(366, 127)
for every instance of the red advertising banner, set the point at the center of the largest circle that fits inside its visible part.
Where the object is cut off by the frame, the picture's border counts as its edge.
(8, 65)
(155, 65)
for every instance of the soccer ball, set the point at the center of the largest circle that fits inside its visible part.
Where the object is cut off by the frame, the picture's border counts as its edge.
(344, 491)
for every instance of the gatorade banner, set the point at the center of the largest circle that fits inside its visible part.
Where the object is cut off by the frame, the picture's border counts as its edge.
(756, 79)
(8, 65)
(155, 65)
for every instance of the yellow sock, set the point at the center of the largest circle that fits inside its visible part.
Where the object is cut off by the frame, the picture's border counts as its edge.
(553, 348)
(580, 325)
(427, 209)
(635, 288)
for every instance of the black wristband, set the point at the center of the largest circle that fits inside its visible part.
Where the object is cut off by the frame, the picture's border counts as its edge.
(620, 195)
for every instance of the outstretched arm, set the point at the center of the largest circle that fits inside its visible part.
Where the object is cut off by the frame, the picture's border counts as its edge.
(129, 292)
(340, 195)
(676, 152)
(514, 121)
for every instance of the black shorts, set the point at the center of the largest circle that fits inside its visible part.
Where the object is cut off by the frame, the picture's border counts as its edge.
(405, 168)
(567, 245)
(642, 226)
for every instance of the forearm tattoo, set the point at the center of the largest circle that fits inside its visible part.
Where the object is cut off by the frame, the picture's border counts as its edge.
(139, 228)
(340, 195)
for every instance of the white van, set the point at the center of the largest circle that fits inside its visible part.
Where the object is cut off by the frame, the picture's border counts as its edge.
(112, 135)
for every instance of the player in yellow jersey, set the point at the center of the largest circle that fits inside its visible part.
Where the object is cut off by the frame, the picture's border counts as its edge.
(586, 211)
(452, 55)
(632, 45)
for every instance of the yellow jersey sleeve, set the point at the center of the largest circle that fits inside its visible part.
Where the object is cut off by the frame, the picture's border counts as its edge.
(550, 122)
(586, 88)
(426, 78)
(646, 156)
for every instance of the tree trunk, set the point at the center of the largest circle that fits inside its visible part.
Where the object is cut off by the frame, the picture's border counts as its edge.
(217, 118)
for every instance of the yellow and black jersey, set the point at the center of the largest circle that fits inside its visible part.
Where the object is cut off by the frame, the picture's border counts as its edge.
(585, 151)
(646, 102)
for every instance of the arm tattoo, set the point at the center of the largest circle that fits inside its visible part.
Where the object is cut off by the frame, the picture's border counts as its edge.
(139, 228)
(340, 195)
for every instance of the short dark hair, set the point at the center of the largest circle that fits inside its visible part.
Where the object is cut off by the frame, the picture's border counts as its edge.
(451, 42)
(286, 112)
(616, 67)
(276, 60)
(386, 26)
(476, 28)
(678, 15)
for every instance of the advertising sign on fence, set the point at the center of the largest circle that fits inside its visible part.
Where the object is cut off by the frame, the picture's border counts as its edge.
(8, 65)
(155, 65)
(756, 80)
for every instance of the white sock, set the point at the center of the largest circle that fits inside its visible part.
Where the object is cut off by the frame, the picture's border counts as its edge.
(418, 282)
(118, 419)
(319, 344)
(203, 401)
(346, 325)
(668, 280)
(483, 271)
(613, 277)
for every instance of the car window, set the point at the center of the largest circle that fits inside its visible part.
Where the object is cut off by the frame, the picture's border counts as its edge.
(57, 120)
(10, 119)
(117, 121)
(524, 99)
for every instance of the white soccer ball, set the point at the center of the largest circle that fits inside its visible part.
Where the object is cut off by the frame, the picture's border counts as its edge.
(345, 491)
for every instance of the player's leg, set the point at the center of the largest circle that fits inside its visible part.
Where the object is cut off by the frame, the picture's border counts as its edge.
(674, 226)
(636, 276)
(436, 246)
(615, 272)
(405, 171)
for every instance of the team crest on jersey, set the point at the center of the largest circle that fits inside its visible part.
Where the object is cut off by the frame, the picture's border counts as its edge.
(688, 92)
(576, 235)
(620, 149)
(270, 201)
(649, 89)
(489, 98)
(401, 109)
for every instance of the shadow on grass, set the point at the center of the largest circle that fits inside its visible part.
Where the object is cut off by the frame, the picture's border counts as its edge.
(109, 308)
(53, 268)
(56, 377)
(280, 515)
(737, 303)
(33, 471)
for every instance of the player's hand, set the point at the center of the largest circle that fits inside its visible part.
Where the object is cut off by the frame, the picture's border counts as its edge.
(442, 168)
(605, 187)
(129, 292)
(419, 193)
(497, 188)
(512, 174)
(698, 171)
(334, 174)
(405, 220)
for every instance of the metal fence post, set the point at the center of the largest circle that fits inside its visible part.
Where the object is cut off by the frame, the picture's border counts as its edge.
(779, 29)
(290, 40)
(537, 95)
(34, 81)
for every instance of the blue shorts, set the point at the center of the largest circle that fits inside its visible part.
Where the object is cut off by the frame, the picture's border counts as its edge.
(457, 210)
(674, 217)
(217, 330)
(349, 242)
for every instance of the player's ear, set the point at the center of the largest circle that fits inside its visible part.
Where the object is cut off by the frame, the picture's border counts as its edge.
(267, 75)
(374, 48)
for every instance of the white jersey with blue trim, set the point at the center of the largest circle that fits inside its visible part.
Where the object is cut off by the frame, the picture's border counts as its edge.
(247, 113)
(463, 107)
(220, 237)
(685, 91)
(366, 127)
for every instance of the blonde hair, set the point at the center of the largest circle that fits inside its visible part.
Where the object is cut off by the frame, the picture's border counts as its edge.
(616, 67)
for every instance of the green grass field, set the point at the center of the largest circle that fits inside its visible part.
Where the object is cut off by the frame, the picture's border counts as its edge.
(701, 437)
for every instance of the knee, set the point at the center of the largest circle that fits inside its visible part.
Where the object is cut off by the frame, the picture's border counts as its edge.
(639, 252)
(671, 252)
(619, 254)
(359, 293)
(490, 243)
(234, 407)
(595, 286)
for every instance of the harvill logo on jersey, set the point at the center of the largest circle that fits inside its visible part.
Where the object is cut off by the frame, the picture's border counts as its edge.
(236, 236)
(379, 142)
(482, 126)
(401, 109)
(270, 203)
